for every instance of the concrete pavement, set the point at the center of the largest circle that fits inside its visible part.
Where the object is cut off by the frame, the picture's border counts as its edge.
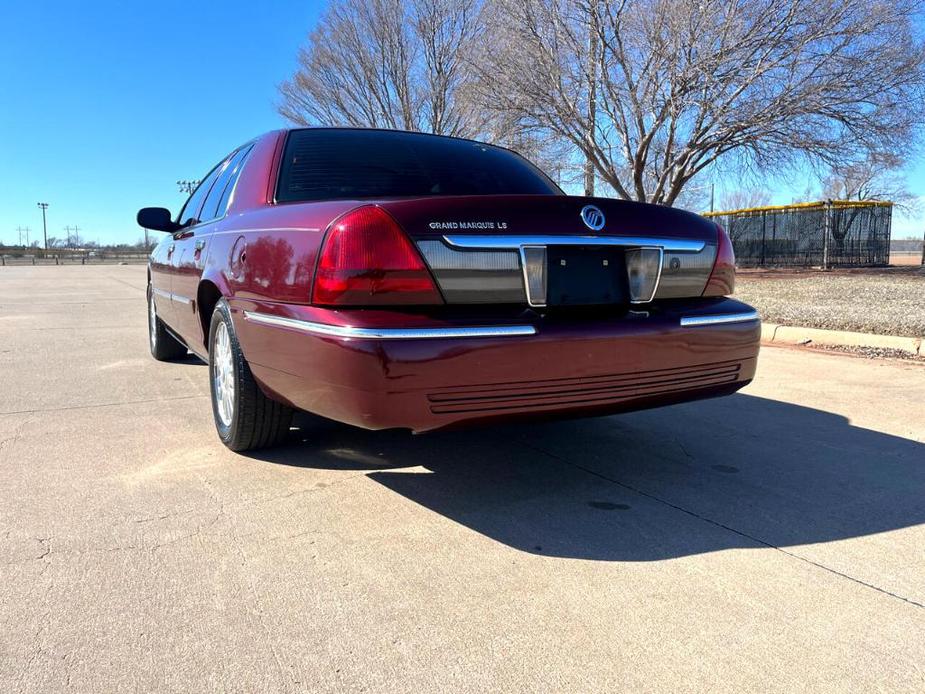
(771, 541)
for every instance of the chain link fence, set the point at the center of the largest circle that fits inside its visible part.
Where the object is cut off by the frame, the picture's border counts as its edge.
(836, 233)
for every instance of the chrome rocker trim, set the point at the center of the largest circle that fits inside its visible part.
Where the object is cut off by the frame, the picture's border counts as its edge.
(512, 242)
(718, 319)
(346, 331)
(172, 297)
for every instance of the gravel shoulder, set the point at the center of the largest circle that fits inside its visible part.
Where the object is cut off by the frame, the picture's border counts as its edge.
(882, 301)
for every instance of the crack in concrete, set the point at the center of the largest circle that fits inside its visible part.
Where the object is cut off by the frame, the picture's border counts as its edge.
(46, 548)
(163, 516)
(683, 449)
(252, 589)
(143, 290)
(7, 444)
(718, 524)
(45, 542)
(306, 490)
(106, 404)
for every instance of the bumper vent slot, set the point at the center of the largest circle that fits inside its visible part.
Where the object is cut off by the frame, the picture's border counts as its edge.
(577, 392)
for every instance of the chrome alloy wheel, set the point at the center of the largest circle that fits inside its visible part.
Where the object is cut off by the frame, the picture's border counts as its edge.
(152, 322)
(223, 374)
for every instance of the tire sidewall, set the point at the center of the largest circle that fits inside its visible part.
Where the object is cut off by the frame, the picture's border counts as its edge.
(222, 314)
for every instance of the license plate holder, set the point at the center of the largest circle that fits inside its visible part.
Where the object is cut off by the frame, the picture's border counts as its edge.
(584, 276)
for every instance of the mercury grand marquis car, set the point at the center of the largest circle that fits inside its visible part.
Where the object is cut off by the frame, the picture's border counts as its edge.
(393, 279)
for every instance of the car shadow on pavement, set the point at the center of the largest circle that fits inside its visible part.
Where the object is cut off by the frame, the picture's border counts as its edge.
(740, 471)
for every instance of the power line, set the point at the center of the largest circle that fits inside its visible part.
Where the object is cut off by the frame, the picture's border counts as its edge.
(22, 230)
(68, 229)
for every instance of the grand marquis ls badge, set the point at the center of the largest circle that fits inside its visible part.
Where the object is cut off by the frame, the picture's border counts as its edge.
(592, 217)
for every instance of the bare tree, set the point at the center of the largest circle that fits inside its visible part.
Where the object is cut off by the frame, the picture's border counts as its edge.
(681, 84)
(745, 198)
(386, 63)
(876, 177)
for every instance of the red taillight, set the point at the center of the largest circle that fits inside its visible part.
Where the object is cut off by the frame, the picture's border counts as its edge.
(366, 259)
(723, 278)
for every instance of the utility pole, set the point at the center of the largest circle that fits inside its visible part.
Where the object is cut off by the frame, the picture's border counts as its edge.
(187, 187)
(44, 206)
(21, 231)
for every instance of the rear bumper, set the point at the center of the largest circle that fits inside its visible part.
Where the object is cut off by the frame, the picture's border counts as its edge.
(362, 369)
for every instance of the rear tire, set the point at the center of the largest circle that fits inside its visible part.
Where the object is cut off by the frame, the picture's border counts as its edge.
(245, 418)
(163, 345)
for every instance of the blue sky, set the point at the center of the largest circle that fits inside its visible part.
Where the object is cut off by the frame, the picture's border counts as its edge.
(104, 104)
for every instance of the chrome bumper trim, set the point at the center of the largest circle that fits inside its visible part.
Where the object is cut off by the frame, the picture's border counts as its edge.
(516, 242)
(718, 319)
(388, 333)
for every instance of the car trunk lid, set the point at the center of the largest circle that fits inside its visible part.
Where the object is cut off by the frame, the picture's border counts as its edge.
(558, 250)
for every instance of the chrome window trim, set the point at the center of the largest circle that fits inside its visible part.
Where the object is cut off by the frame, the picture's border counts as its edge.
(719, 319)
(345, 331)
(516, 242)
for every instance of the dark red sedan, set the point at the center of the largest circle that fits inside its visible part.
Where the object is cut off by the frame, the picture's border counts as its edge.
(394, 279)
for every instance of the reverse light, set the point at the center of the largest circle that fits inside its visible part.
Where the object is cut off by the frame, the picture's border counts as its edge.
(643, 269)
(366, 259)
(723, 278)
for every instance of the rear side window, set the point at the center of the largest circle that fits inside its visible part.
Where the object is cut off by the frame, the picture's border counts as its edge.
(217, 201)
(325, 164)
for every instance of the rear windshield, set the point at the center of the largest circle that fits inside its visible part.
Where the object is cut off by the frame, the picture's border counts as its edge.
(326, 164)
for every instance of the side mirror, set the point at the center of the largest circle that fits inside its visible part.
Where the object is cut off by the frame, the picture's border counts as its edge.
(156, 218)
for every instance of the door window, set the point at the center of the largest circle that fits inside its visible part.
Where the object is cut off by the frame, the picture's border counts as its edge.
(217, 201)
(190, 214)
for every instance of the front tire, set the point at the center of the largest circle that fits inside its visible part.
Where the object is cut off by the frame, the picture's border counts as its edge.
(245, 418)
(164, 346)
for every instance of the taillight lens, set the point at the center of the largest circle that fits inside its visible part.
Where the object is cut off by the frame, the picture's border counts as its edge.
(367, 260)
(723, 278)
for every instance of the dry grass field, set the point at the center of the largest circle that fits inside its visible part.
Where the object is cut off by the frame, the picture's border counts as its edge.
(887, 301)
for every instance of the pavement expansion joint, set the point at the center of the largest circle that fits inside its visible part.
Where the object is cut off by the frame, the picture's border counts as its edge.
(718, 524)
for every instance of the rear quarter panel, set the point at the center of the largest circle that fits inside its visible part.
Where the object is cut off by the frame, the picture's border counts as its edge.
(265, 251)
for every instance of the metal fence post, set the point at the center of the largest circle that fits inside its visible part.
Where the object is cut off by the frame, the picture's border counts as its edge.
(764, 241)
(826, 229)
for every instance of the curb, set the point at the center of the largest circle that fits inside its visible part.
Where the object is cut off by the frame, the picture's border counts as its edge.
(793, 335)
